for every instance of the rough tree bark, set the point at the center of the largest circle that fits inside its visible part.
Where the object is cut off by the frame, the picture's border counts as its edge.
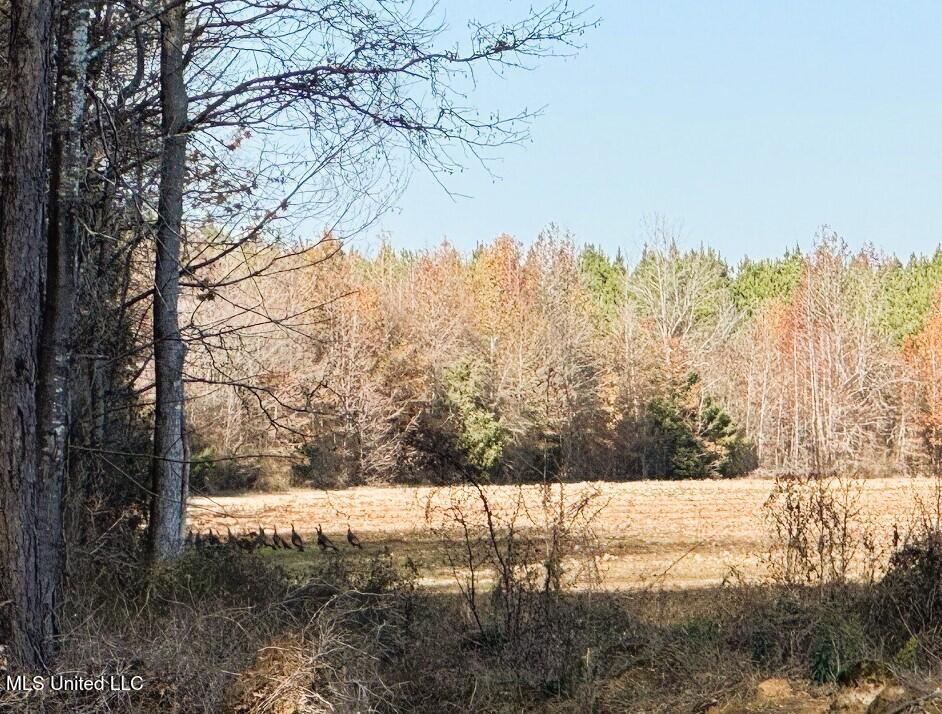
(28, 581)
(67, 165)
(169, 463)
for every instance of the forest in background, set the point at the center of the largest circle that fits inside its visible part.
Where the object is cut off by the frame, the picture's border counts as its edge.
(169, 325)
(553, 360)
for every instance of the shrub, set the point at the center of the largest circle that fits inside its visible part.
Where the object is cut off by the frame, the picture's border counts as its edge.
(319, 466)
(514, 568)
(700, 634)
(222, 574)
(838, 639)
(769, 631)
(221, 630)
(211, 474)
(907, 657)
(819, 535)
(912, 587)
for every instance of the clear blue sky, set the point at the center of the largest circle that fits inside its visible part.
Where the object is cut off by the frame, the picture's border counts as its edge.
(751, 123)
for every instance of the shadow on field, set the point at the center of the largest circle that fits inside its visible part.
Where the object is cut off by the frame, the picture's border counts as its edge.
(225, 631)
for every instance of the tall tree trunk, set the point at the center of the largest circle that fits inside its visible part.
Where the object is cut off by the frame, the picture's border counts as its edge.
(53, 400)
(169, 463)
(28, 581)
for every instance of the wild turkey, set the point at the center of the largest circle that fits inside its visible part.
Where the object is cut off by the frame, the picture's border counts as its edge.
(247, 542)
(263, 539)
(352, 539)
(296, 539)
(279, 541)
(323, 542)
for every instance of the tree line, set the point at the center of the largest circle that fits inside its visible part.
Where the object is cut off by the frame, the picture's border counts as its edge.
(520, 363)
(147, 146)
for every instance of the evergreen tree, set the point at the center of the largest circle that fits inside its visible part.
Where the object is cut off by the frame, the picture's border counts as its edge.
(908, 292)
(690, 436)
(479, 436)
(605, 280)
(758, 281)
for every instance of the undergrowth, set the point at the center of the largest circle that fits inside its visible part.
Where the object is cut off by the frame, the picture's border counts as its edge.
(221, 630)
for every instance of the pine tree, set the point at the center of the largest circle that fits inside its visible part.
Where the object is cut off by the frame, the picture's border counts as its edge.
(690, 436)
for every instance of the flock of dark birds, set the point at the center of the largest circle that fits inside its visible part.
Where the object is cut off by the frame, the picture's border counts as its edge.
(253, 540)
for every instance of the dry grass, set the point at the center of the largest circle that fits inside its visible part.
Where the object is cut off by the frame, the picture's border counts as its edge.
(674, 534)
(225, 631)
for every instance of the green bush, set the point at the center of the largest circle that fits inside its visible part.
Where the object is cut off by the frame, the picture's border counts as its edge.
(907, 657)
